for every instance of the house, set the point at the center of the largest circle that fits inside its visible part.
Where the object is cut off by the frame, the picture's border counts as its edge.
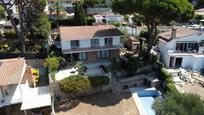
(16, 86)
(66, 4)
(108, 18)
(133, 44)
(182, 47)
(90, 43)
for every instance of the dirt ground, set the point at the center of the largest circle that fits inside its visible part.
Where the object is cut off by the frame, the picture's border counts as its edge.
(99, 104)
(195, 88)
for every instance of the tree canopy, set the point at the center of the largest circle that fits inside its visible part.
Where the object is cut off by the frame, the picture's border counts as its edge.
(155, 12)
(79, 15)
(179, 104)
(2, 12)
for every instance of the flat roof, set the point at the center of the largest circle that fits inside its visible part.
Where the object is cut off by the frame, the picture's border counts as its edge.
(36, 98)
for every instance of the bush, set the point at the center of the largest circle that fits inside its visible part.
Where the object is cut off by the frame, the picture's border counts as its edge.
(171, 87)
(81, 68)
(75, 83)
(99, 81)
(166, 76)
(35, 72)
(90, 20)
(10, 34)
(116, 24)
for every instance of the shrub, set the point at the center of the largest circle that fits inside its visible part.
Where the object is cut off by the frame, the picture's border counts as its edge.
(116, 24)
(99, 81)
(75, 83)
(166, 76)
(171, 87)
(35, 72)
(81, 68)
(90, 20)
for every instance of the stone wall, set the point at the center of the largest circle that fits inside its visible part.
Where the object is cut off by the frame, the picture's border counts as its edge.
(68, 96)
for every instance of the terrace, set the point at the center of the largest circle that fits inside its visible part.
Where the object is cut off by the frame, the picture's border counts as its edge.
(93, 69)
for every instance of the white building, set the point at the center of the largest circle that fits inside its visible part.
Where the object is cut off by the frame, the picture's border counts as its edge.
(16, 86)
(90, 43)
(182, 48)
(108, 18)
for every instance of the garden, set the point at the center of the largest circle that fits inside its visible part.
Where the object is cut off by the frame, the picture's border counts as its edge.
(130, 65)
(79, 83)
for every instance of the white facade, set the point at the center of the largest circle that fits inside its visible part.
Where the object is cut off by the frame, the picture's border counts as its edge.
(108, 18)
(172, 57)
(66, 45)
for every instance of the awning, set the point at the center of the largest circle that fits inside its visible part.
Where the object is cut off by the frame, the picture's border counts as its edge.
(36, 98)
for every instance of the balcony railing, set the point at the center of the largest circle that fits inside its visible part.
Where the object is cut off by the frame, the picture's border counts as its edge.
(92, 48)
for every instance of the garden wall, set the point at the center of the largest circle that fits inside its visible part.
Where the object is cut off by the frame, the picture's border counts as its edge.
(134, 81)
(68, 96)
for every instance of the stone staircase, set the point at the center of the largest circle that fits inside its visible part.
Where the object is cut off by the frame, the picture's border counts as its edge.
(115, 85)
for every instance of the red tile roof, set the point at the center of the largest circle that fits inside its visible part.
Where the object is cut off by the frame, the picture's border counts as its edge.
(180, 32)
(88, 32)
(11, 71)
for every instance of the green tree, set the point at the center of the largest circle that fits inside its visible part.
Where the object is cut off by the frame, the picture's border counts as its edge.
(79, 15)
(75, 84)
(52, 63)
(38, 23)
(57, 8)
(92, 3)
(155, 12)
(2, 12)
(179, 104)
(42, 25)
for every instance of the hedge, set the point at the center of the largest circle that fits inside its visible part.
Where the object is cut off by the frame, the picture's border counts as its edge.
(78, 83)
(75, 83)
(99, 81)
(166, 76)
(171, 87)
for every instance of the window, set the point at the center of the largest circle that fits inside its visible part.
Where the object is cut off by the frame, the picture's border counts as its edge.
(74, 43)
(187, 47)
(108, 41)
(103, 54)
(94, 42)
(82, 56)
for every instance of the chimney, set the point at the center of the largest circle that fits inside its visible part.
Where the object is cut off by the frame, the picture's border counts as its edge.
(173, 32)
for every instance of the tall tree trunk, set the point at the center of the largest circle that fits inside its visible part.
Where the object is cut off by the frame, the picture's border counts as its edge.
(22, 34)
(150, 37)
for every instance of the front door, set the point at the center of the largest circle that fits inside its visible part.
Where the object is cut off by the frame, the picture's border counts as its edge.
(178, 62)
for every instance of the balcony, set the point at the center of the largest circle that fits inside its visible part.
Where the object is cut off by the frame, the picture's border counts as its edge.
(95, 48)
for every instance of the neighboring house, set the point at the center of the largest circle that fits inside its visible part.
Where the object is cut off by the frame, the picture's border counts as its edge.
(108, 18)
(14, 74)
(100, 8)
(90, 43)
(133, 44)
(16, 86)
(182, 47)
(67, 4)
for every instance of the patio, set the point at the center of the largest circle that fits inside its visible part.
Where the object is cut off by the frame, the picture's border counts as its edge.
(93, 69)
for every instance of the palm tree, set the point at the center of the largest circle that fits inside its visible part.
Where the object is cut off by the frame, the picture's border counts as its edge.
(57, 8)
